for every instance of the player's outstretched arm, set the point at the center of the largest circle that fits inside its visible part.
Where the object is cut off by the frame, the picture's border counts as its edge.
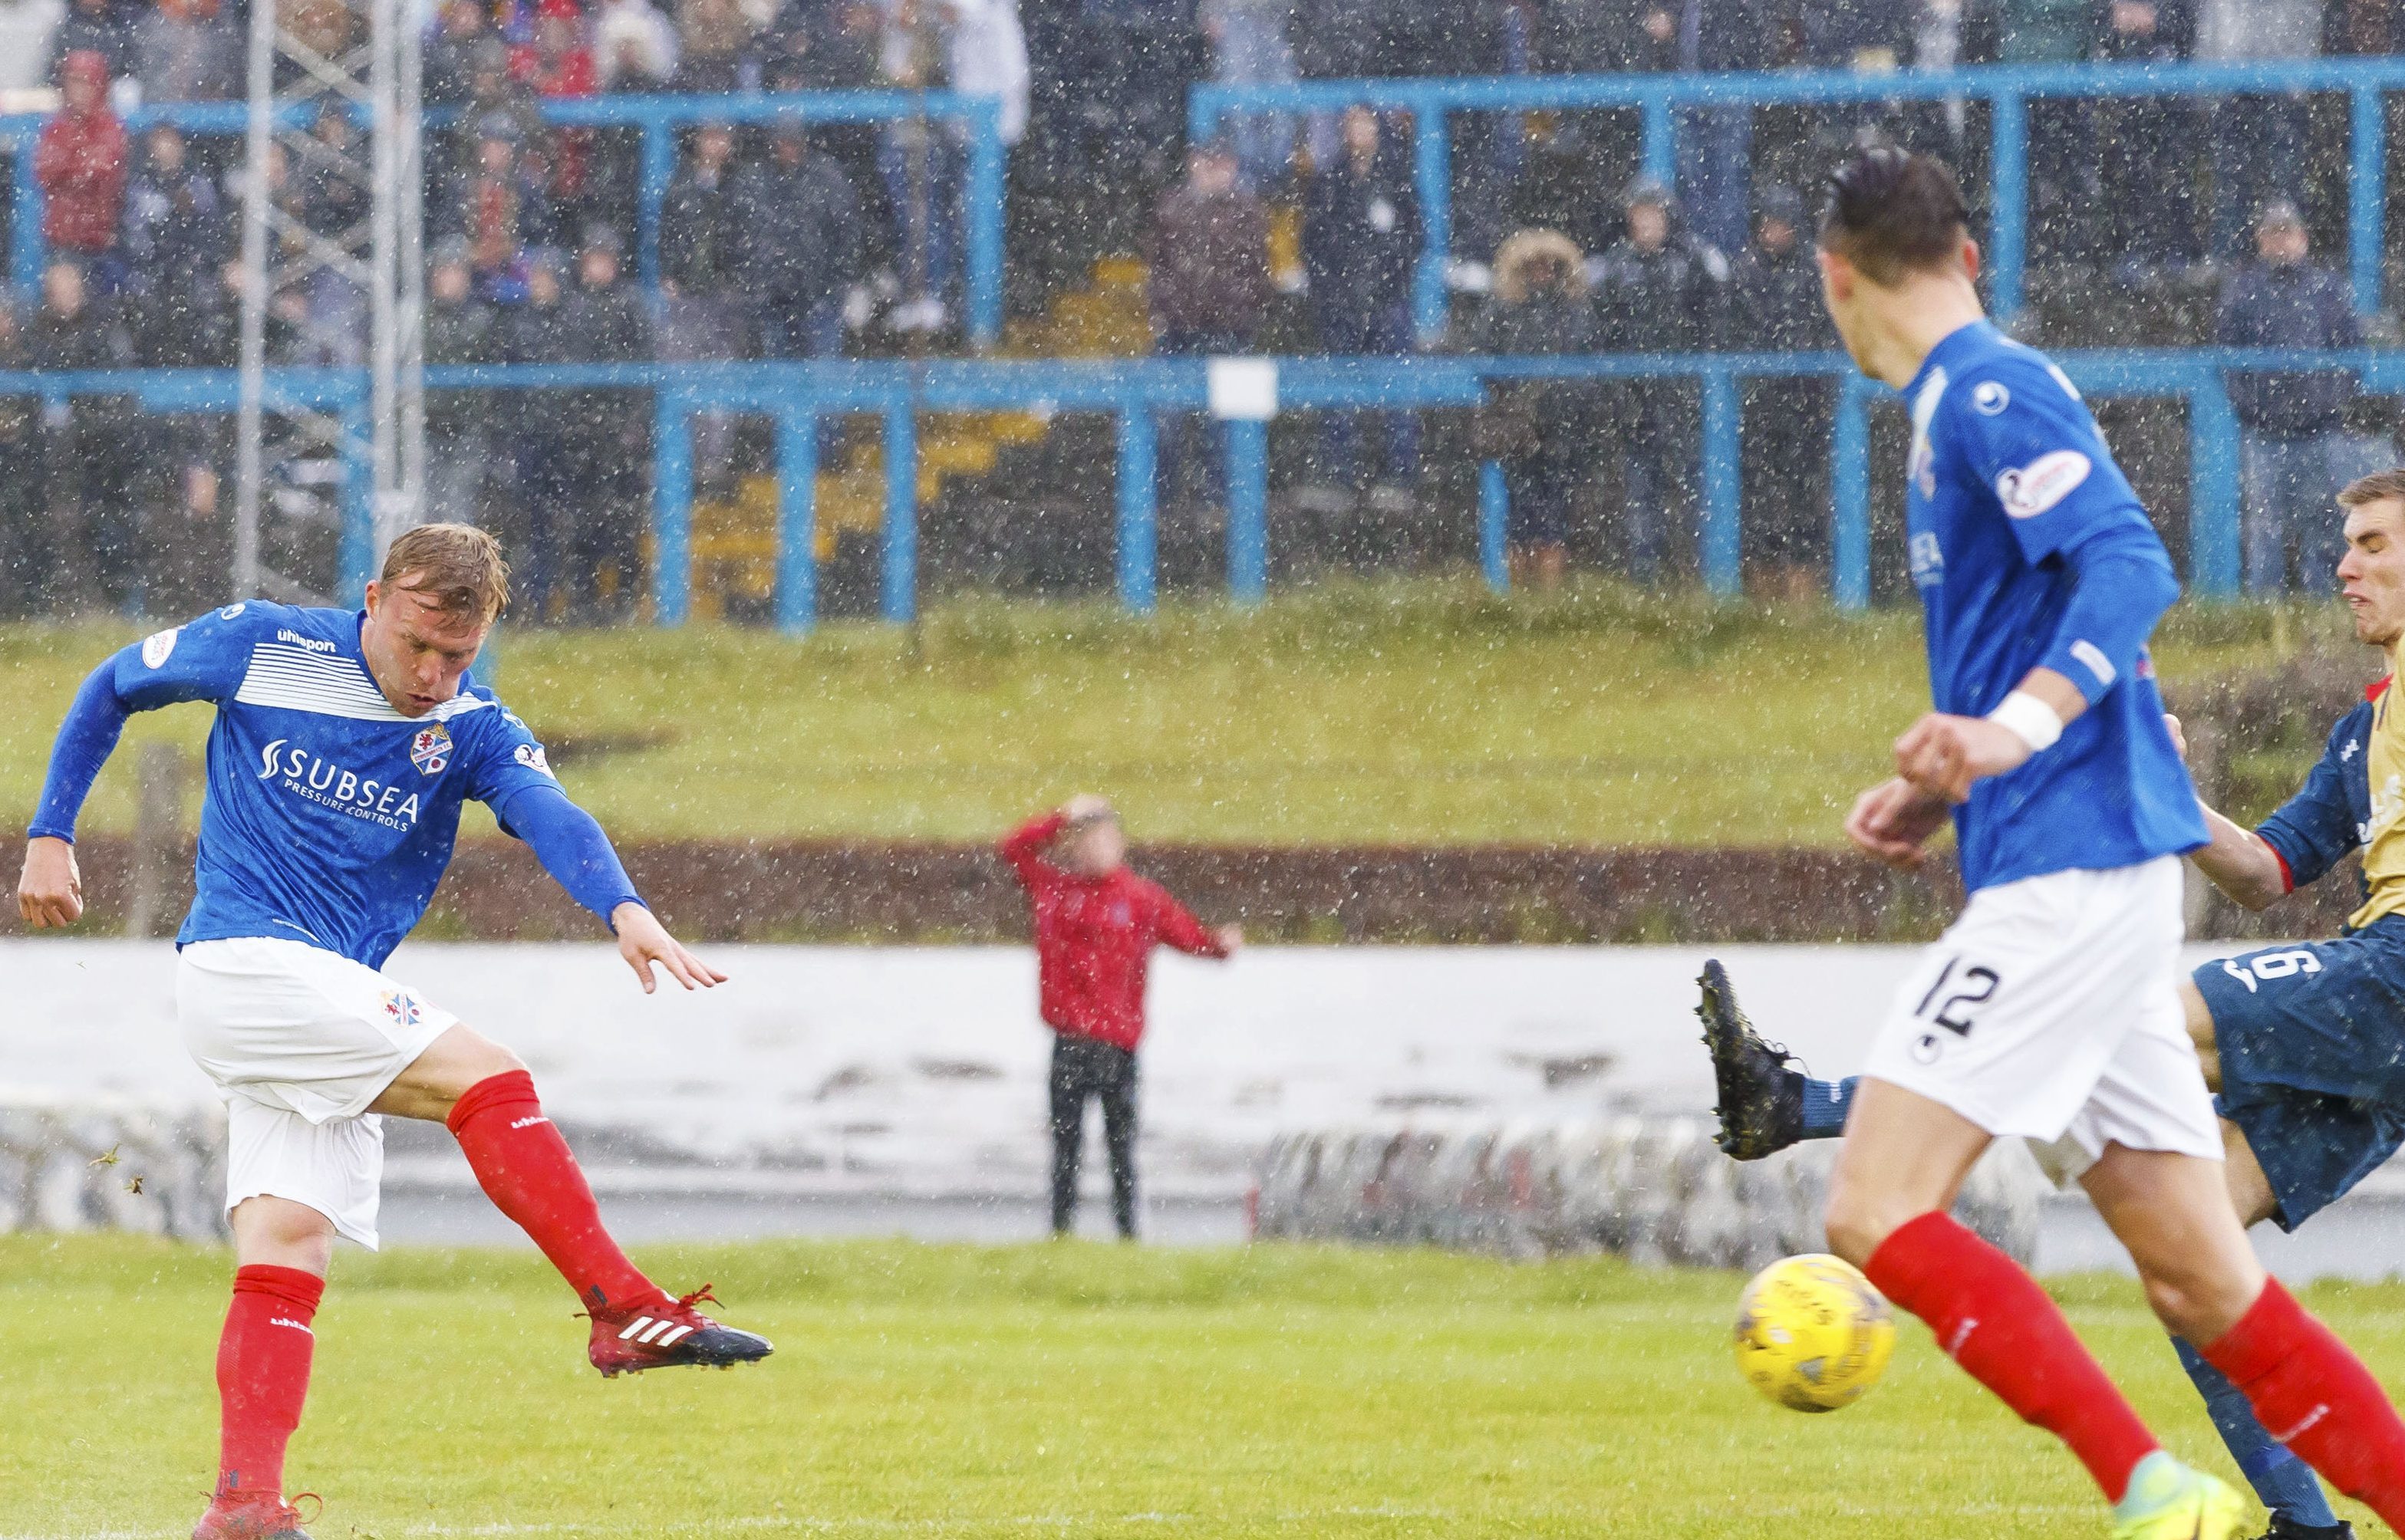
(2239, 861)
(201, 661)
(643, 941)
(570, 843)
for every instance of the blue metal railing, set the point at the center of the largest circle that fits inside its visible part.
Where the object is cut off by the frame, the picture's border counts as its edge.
(2006, 87)
(796, 395)
(658, 118)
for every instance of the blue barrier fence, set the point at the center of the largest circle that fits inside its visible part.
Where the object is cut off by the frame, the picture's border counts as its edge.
(2008, 89)
(658, 118)
(796, 395)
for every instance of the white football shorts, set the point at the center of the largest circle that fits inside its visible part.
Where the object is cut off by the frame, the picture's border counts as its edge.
(300, 1042)
(2049, 1012)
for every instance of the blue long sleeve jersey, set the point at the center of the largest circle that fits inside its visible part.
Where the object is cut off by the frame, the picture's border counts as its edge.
(2028, 549)
(329, 816)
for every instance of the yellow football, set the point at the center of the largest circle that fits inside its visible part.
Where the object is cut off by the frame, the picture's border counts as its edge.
(1812, 1334)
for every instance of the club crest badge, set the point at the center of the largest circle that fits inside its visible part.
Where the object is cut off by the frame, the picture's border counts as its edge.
(430, 750)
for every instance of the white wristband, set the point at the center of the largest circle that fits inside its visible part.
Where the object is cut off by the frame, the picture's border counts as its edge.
(2030, 719)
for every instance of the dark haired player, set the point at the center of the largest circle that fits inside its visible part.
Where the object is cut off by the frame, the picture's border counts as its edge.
(2048, 1012)
(2301, 1040)
(345, 743)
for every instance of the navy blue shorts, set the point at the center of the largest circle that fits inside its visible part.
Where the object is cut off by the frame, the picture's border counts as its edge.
(2312, 1037)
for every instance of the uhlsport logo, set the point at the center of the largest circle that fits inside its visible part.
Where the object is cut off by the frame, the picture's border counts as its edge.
(329, 785)
(430, 749)
(402, 1009)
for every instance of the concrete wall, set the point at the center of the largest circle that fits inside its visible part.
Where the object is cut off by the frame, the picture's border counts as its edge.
(919, 1071)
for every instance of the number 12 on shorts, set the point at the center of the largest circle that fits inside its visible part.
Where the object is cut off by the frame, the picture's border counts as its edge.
(1958, 990)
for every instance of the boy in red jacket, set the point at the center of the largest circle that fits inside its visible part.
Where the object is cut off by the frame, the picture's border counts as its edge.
(1096, 924)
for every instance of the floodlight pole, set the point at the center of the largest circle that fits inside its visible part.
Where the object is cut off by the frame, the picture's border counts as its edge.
(373, 75)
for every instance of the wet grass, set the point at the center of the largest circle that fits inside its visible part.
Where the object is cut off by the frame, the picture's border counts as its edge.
(1076, 1389)
(1409, 713)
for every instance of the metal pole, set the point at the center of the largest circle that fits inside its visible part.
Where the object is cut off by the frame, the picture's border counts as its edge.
(252, 409)
(797, 530)
(25, 253)
(384, 280)
(410, 158)
(982, 286)
(2367, 196)
(1248, 496)
(1432, 179)
(900, 577)
(1494, 519)
(1850, 488)
(1659, 153)
(1138, 511)
(671, 507)
(2008, 225)
(2213, 536)
(1723, 567)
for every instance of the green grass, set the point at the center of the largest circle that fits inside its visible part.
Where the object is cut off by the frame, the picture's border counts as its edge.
(1421, 713)
(1076, 1389)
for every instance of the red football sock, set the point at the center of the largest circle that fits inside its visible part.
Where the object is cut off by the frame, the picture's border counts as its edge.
(522, 1164)
(2318, 1399)
(264, 1373)
(1991, 1317)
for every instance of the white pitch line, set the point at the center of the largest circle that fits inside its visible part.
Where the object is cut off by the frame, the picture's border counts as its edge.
(803, 1523)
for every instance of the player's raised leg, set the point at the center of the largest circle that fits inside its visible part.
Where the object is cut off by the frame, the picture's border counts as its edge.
(281, 1249)
(486, 1097)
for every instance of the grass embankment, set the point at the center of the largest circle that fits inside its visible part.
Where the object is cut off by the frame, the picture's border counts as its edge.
(1407, 713)
(1072, 1389)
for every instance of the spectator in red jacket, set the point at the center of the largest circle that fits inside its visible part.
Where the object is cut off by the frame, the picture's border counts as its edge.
(80, 162)
(1096, 924)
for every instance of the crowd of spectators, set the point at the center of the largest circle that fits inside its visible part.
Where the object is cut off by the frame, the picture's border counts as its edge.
(793, 239)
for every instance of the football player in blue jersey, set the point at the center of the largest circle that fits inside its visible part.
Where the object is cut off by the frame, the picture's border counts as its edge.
(2049, 1011)
(345, 744)
(2302, 1042)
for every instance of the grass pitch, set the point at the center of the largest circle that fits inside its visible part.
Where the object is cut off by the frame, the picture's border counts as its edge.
(1424, 712)
(1075, 1389)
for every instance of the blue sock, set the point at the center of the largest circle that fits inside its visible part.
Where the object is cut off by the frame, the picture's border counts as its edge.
(1825, 1102)
(2287, 1484)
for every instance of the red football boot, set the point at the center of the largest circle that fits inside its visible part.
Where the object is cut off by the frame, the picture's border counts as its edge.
(662, 1336)
(252, 1516)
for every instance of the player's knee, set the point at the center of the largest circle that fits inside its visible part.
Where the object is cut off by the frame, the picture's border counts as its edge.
(471, 1058)
(2181, 1306)
(2196, 1300)
(279, 1232)
(1858, 1221)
